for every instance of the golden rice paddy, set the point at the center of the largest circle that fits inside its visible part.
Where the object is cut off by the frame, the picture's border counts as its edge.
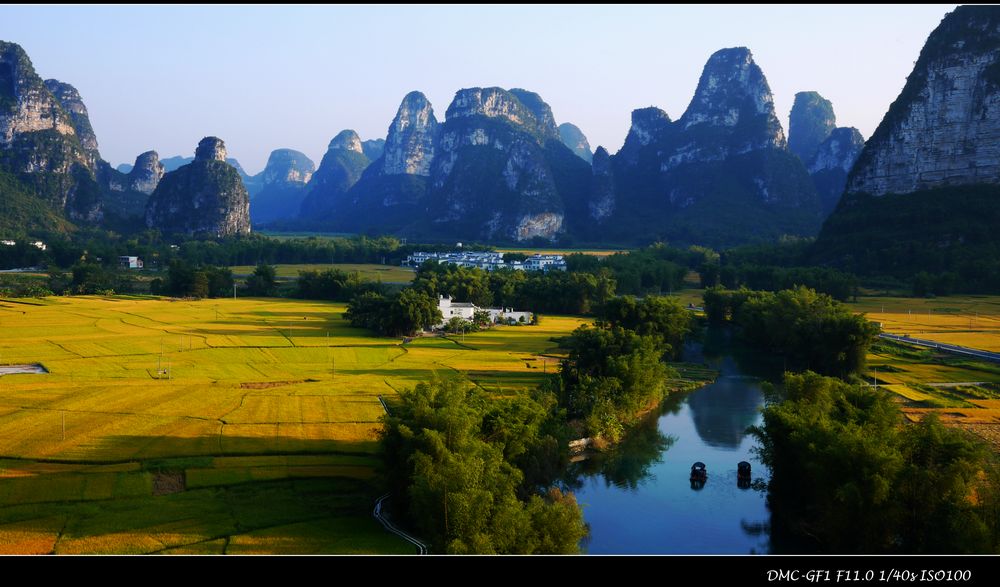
(214, 426)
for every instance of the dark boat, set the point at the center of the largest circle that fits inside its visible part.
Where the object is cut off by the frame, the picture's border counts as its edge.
(743, 476)
(699, 475)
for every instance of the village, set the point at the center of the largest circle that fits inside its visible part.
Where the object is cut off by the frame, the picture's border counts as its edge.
(488, 261)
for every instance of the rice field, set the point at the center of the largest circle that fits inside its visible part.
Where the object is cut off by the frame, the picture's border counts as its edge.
(972, 321)
(236, 426)
(965, 392)
(370, 271)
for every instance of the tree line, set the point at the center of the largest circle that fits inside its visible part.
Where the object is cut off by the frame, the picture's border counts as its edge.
(615, 369)
(812, 330)
(850, 475)
(471, 473)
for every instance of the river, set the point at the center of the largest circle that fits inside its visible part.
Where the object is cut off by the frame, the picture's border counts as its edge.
(638, 498)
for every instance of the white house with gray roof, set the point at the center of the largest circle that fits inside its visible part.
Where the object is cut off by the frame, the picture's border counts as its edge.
(466, 310)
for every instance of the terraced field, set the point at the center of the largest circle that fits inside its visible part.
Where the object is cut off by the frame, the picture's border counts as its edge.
(214, 426)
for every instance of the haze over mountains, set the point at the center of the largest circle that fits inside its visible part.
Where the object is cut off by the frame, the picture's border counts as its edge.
(499, 166)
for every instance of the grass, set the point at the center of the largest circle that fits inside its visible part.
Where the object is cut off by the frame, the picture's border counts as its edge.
(373, 272)
(271, 412)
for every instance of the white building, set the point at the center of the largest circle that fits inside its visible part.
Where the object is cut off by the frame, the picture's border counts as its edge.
(8, 243)
(466, 310)
(545, 263)
(127, 262)
(488, 261)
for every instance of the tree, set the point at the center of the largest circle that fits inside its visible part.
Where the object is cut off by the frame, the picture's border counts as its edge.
(457, 324)
(449, 453)
(400, 315)
(481, 318)
(263, 281)
(199, 285)
(90, 278)
(220, 281)
(848, 475)
(610, 376)
(659, 316)
(813, 330)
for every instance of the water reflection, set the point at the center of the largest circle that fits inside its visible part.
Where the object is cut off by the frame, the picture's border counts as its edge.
(723, 416)
(627, 465)
(640, 497)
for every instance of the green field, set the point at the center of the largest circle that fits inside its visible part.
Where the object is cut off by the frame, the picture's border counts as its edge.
(371, 271)
(261, 440)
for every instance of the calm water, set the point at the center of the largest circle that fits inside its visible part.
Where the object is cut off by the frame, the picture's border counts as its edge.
(638, 499)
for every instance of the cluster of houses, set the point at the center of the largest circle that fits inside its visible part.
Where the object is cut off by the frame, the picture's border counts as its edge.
(466, 311)
(488, 261)
(37, 244)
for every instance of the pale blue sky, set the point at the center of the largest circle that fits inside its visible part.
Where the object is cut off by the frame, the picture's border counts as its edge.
(267, 77)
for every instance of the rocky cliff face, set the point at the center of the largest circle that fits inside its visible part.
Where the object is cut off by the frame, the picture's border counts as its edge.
(206, 196)
(837, 151)
(125, 195)
(251, 182)
(732, 112)
(340, 169)
(146, 174)
(573, 137)
(647, 124)
(601, 203)
(69, 98)
(828, 151)
(385, 194)
(501, 169)
(494, 169)
(409, 146)
(721, 174)
(39, 142)
(281, 186)
(519, 108)
(944, 128)
(26, 105)
(831, 162)
(287, 166)
(810, 123)
(373, 148)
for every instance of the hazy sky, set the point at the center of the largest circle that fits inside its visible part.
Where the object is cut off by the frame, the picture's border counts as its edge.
(267, 77)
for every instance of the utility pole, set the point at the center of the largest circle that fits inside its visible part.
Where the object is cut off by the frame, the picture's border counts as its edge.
(234, 291)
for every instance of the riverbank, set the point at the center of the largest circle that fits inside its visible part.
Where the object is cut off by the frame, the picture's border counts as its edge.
(636, 495)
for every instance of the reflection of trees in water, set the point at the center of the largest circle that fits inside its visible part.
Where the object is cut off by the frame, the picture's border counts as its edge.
(723, 412)
(628, 463)
(722, 342)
